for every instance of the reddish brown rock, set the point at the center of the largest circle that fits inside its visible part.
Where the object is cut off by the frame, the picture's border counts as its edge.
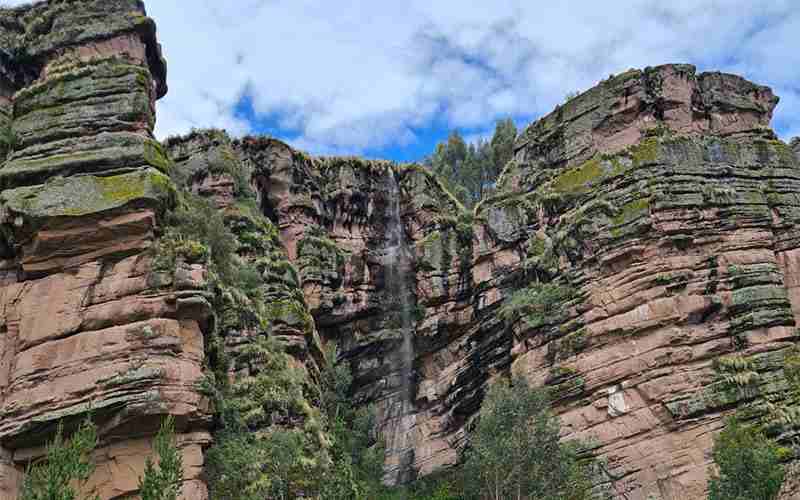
(659, 198)
(87, 324)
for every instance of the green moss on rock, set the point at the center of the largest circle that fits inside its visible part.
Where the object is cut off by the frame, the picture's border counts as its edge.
(87, 194)
(579, 179)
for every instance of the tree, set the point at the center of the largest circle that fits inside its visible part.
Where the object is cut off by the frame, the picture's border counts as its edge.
(515, 451)
(505, 134)
(66, 468)
(748, 465)
(244, 466)
(357, 458)
(469, 171)
(163, 481)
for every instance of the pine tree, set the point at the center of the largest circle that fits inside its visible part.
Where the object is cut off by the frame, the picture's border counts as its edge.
(66, 467)
(163, 481)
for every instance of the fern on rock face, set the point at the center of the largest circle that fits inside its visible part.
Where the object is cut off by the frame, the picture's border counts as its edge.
(737, 371)
(538, 304)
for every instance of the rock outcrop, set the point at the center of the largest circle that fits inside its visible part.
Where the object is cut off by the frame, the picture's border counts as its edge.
(86, 327)
(656, 215)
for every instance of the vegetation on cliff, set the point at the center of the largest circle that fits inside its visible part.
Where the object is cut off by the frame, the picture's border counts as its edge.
(748, 465)
(66, 468)
(470, 171)
(516, 450)
(64, 472)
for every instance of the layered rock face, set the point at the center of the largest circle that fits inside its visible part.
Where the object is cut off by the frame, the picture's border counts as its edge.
(659, 202)
(383, 258)
(660, 199)
(87, 326)
(679, 238)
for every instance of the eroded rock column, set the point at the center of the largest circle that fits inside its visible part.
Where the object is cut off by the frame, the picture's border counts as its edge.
(87, 326)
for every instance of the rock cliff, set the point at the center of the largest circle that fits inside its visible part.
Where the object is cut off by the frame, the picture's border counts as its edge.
(659, 202)
(85, 327)
(660, 198)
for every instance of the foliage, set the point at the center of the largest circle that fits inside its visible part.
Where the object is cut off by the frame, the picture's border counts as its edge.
(244, 466)
(247, 463)
(469, 171)
(439, 487)
(197, 221)
(196, 232)
(66, 467)
(538, 304)
(748, 465)
(163, 481)
(8, 139)
(272, 391)
(271, 443)
(357, 457)
(516, 451)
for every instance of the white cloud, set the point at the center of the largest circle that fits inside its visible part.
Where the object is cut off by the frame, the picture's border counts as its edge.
(352, 75)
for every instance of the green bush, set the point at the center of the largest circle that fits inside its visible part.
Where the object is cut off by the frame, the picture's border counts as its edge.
(244, 466)
(748, 465)
(538, 304)
(271, 445)
(163, 481)
(516, 452)
(198, 222)
(66, 467)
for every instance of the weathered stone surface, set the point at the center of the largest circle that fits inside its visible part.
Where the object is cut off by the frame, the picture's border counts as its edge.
(87, 324)
(659, 198)
(623, 110)
(261, 305)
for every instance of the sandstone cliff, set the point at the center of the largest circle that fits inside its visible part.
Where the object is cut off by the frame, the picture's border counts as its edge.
(660, 199)
(84, 325)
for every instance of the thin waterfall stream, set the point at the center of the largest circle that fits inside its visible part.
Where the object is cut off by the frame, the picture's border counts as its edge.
(399, 422)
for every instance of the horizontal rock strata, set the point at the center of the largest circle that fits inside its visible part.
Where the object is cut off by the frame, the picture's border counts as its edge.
(85, 327)
(659, 202)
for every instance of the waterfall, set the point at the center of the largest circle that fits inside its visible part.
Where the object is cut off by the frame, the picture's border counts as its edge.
(399, 417)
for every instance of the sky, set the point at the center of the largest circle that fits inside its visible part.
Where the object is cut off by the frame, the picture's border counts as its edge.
(389, 78)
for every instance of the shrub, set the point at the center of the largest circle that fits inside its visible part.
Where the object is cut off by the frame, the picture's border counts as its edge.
(66, 467)
(748, 465)
(257, 454)
(242, 466)
(538, 304)
(515, 450)
(163, 482)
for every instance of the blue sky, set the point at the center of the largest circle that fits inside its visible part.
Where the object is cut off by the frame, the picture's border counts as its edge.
(387, 78)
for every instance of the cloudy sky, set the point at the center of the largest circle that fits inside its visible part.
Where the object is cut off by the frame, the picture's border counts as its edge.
(390, 78)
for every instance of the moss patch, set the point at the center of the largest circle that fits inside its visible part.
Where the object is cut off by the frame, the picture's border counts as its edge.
(631, 211)
(579, 179)
(87, 194)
